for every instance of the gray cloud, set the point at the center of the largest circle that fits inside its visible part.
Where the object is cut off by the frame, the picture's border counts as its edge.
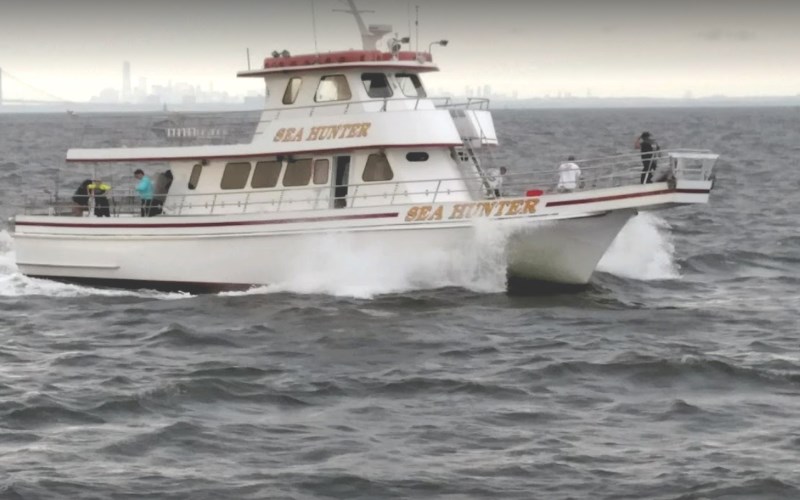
(718, 35)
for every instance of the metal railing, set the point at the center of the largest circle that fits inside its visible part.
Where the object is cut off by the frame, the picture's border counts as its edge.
(177, 128)
(369, 105)
(595, 173)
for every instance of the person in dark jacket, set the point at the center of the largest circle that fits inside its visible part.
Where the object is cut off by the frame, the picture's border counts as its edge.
(91, 189)
(649, 148)
(81, 198)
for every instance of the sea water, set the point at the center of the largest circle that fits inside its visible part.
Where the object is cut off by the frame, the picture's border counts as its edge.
(674, 374)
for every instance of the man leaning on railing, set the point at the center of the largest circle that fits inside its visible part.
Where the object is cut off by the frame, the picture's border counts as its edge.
(91, 191)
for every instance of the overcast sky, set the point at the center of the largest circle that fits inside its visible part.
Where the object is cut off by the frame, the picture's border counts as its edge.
(665, 48)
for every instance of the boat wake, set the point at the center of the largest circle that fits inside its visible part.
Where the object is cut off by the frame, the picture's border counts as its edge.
(642, 251)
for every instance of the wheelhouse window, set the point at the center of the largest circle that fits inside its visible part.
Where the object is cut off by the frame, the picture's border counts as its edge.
(292, 89)
(417, 156)
(298, 173)
(377, 85)
(321, 171)
(235, 175)
(410, 85)
(332, 88)
(194, 178)
(266, 174)
(377, 169)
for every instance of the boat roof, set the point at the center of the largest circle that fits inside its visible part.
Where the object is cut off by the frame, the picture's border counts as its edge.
(403, 60)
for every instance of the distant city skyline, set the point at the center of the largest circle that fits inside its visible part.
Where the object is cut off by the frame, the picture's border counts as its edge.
(168, 93)
(610, 48)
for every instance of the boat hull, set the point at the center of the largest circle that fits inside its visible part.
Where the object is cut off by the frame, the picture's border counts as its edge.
(565, 251)
(558, 251)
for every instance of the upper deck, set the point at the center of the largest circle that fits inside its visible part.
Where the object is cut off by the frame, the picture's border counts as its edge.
(337, 101)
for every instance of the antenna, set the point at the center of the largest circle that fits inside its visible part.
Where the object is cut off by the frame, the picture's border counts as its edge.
(416, 22)
(248, 59)
(314, 26)
(409, 17)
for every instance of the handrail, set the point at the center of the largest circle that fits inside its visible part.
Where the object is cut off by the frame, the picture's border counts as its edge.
(595, 173)
(480, 102)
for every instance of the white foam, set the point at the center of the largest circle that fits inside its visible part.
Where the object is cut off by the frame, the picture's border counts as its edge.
(643, 250)
(361, 271)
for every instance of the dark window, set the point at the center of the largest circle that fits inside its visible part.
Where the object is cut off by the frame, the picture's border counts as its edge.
(266, 174)
(410, 84)
(321, 169)
(298, 173)
(377, 85)
(417, 156)
(292, 89)
(235, 175)
(377, 169)
(194, 178)
(332, 88)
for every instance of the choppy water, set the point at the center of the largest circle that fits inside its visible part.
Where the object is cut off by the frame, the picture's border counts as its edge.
(675, 375)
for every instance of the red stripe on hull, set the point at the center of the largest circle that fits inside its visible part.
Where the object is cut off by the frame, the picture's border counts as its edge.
(213, 224)
(624, 196)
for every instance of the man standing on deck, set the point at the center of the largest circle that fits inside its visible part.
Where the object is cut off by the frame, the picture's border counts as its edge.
(648, 146)
(568, 175)
(145, 190)
(494, 179)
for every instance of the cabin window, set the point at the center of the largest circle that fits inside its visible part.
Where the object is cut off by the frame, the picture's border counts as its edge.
(332, 88)
(377, 169)
(235, 175)
(321, 169)
(417, 156)
(266, 174)
(377, 85)
(292, 89)
(410, 85)
(194, 178)
(298, 173)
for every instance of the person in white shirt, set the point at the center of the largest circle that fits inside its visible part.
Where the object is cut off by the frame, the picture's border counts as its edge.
(494, 179)
(568, 175)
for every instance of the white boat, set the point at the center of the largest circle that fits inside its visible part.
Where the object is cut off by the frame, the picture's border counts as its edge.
(348, 142)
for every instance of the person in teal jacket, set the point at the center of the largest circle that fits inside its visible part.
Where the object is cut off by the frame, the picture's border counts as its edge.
(145, 190)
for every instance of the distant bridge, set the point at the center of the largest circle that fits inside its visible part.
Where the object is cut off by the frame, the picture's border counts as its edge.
(51, 99)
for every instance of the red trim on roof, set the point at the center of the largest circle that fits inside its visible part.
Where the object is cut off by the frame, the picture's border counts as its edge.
(343, 57)
(394, 65)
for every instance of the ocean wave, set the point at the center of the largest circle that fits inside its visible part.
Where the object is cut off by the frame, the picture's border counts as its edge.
(175, 335)
(741, 264)
(641, 370)
(416, 385)
(768, 488)
(35, 416)
(177, 433)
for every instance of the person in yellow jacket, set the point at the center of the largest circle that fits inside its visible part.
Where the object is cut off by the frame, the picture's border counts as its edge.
(92, 189)
(101, 205)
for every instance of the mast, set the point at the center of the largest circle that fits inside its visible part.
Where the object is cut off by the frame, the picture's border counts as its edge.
(369, 35)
